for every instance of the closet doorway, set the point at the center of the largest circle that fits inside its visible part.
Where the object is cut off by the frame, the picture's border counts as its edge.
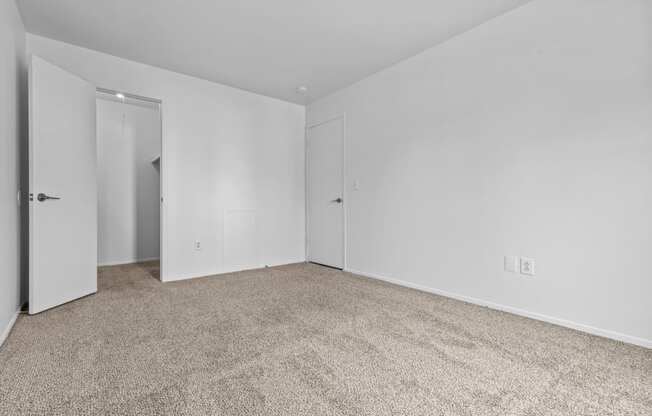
(129, 180)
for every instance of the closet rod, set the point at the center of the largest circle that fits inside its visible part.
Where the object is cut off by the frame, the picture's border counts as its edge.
(132, 96)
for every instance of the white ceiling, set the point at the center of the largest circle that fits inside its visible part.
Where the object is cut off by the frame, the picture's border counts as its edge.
(265, 46)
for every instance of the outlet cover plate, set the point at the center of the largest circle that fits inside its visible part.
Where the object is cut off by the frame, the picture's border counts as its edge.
(511, 264)
(527, 266)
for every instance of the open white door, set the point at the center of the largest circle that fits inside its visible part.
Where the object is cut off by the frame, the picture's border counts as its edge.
(325, 160)
(62, 186)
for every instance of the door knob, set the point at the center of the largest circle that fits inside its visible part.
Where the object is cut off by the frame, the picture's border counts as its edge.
(42, 197)
(338, 200)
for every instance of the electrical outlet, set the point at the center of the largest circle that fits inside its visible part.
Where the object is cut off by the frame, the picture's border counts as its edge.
(197, 245)
(511, 264)
(527, 266)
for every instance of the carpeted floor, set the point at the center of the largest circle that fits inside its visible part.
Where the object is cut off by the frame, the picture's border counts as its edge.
(305, 340)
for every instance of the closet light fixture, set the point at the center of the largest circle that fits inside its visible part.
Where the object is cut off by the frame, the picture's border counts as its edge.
(120, 96)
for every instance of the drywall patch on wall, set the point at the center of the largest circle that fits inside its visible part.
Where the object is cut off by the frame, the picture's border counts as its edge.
(240, 245)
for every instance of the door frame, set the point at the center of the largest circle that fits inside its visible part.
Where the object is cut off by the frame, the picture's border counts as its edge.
(345, 196)
(162, 175)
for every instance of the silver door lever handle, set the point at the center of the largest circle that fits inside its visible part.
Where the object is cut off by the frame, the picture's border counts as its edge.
(338, 200)
(42, 197)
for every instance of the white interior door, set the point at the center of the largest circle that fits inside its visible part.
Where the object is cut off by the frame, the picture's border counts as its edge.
(62, 165)
(325, 167)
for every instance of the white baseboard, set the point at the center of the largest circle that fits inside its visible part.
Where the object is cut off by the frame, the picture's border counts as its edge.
(226, 270)
(209, 273)
(7, 330)
(123, 262)
(642, 342)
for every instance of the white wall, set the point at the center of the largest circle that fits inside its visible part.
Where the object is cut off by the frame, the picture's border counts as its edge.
(233, 164)
(128, 139)
(530, 135)
(13, 131)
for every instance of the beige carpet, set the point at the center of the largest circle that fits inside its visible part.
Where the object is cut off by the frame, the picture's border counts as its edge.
(305, 340)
